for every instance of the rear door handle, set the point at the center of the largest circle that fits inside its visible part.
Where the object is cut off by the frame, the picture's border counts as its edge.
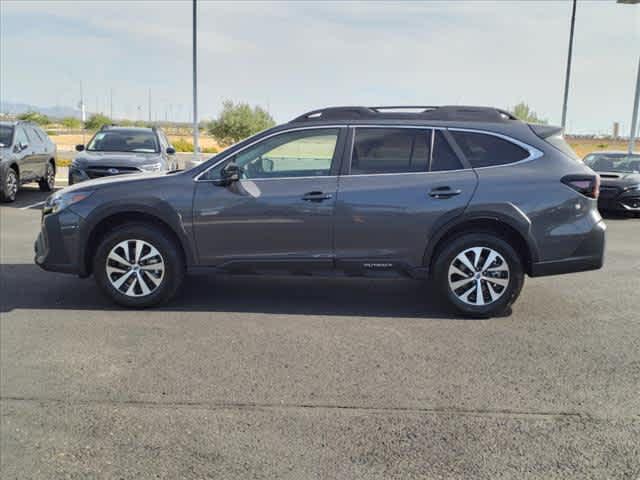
(316, 196)
(444, 192)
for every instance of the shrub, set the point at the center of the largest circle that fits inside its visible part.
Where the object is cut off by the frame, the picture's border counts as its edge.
(238, 121)
(35, 117)
(524, 113)
(182, 145)
(96, 121)
(71, 123)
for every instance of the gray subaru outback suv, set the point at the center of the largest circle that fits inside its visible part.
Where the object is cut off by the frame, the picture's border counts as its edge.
(117, 150)
(468, 197)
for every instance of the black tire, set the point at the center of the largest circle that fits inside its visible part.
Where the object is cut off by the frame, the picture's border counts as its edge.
(487, 242)
(156, 237)
(48, 182)
(10, 186)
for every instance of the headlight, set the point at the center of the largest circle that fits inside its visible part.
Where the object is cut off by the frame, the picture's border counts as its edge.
(150, 167)
(59, 201)
(632, 187)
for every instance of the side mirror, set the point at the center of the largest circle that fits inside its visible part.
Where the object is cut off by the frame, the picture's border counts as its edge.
(79, 148)
(229, 174)
(171, 150)
(20, 146)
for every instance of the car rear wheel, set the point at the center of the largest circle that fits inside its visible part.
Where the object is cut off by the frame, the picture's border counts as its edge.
(48, 182)
(481, 275)
(9, 187)
(138, 265)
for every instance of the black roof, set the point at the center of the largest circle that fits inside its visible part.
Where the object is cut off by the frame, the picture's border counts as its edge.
(409, 112)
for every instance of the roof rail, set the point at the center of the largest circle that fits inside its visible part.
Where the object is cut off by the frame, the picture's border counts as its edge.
(423, 112)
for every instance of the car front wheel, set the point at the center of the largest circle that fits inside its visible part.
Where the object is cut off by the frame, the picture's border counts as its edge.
(138, 265)
(481, 275)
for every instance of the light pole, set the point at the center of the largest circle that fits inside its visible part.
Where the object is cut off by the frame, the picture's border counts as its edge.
(634, 117)
(568, 72)
(196, 146)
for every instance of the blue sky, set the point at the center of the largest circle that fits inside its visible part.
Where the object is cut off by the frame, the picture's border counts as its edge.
(296, 56)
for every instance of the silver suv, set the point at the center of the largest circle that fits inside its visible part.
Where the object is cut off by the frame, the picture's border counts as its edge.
(467, 197)
(27, 154)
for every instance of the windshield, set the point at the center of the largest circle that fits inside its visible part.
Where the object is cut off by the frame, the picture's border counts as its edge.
(6, 133)
(613, 162)
(124, 141)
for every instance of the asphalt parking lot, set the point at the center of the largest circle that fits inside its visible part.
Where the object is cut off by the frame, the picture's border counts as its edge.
(284, 378)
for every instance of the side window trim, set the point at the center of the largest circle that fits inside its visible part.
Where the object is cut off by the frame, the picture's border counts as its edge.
(534, 153)
(336, 160)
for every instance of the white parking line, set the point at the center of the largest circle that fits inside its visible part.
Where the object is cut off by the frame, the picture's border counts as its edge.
(31, 206)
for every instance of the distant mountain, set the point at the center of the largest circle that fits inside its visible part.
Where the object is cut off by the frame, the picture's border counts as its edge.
(54, 112)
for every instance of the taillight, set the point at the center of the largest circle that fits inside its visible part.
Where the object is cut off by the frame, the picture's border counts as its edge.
(587, 185)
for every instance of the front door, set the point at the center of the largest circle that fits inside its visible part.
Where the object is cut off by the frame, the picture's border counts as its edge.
(279, 215)
(399, 185)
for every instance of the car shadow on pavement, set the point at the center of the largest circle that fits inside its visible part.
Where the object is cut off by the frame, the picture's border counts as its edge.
(24, 286)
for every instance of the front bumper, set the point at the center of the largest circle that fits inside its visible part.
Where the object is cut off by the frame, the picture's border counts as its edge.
(588, 256)
(58, 244)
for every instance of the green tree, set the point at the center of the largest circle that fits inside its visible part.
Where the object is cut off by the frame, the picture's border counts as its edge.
(96, 121)
(526, 114)
(238, 121)
(71, 123)
(35, 117)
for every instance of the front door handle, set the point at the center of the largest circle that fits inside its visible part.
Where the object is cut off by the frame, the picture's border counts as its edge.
(444, 192)
(316, 196)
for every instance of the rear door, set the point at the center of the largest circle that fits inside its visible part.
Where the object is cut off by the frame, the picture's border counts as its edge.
(398, 185)
(41, 154)
(27, 158)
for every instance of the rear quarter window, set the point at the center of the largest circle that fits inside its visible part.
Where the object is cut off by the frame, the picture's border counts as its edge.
(484, 150)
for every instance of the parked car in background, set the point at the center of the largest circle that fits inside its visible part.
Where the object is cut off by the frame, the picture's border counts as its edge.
(619, 180)
(27, 154)
(117, 150)
(468, 197)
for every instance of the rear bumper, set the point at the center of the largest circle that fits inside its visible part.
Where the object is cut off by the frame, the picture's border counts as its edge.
(588, 256)
(57, 245)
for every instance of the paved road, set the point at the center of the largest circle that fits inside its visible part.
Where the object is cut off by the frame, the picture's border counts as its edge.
(302, 379)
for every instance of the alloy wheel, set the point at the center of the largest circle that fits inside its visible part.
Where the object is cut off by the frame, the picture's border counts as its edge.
(135, 268)
(11, 184)
(478, 276)
(51, 176)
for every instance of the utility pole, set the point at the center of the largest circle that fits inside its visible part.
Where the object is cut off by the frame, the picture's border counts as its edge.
(196, 146)
(568, 73)
(111, 104)
(149, 105)
(634, 117)
(83, 113)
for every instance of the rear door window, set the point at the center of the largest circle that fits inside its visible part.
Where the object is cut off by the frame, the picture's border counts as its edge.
(444, 158)
(390, 150)
(484, 150)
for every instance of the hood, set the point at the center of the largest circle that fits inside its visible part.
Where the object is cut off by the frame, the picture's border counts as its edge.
(619, 179)
(106, 182)
(116, 159)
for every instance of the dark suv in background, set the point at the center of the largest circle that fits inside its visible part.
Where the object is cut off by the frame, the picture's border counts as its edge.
(27, 154)
(468, 197)
(117, 150)
(620, 180)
